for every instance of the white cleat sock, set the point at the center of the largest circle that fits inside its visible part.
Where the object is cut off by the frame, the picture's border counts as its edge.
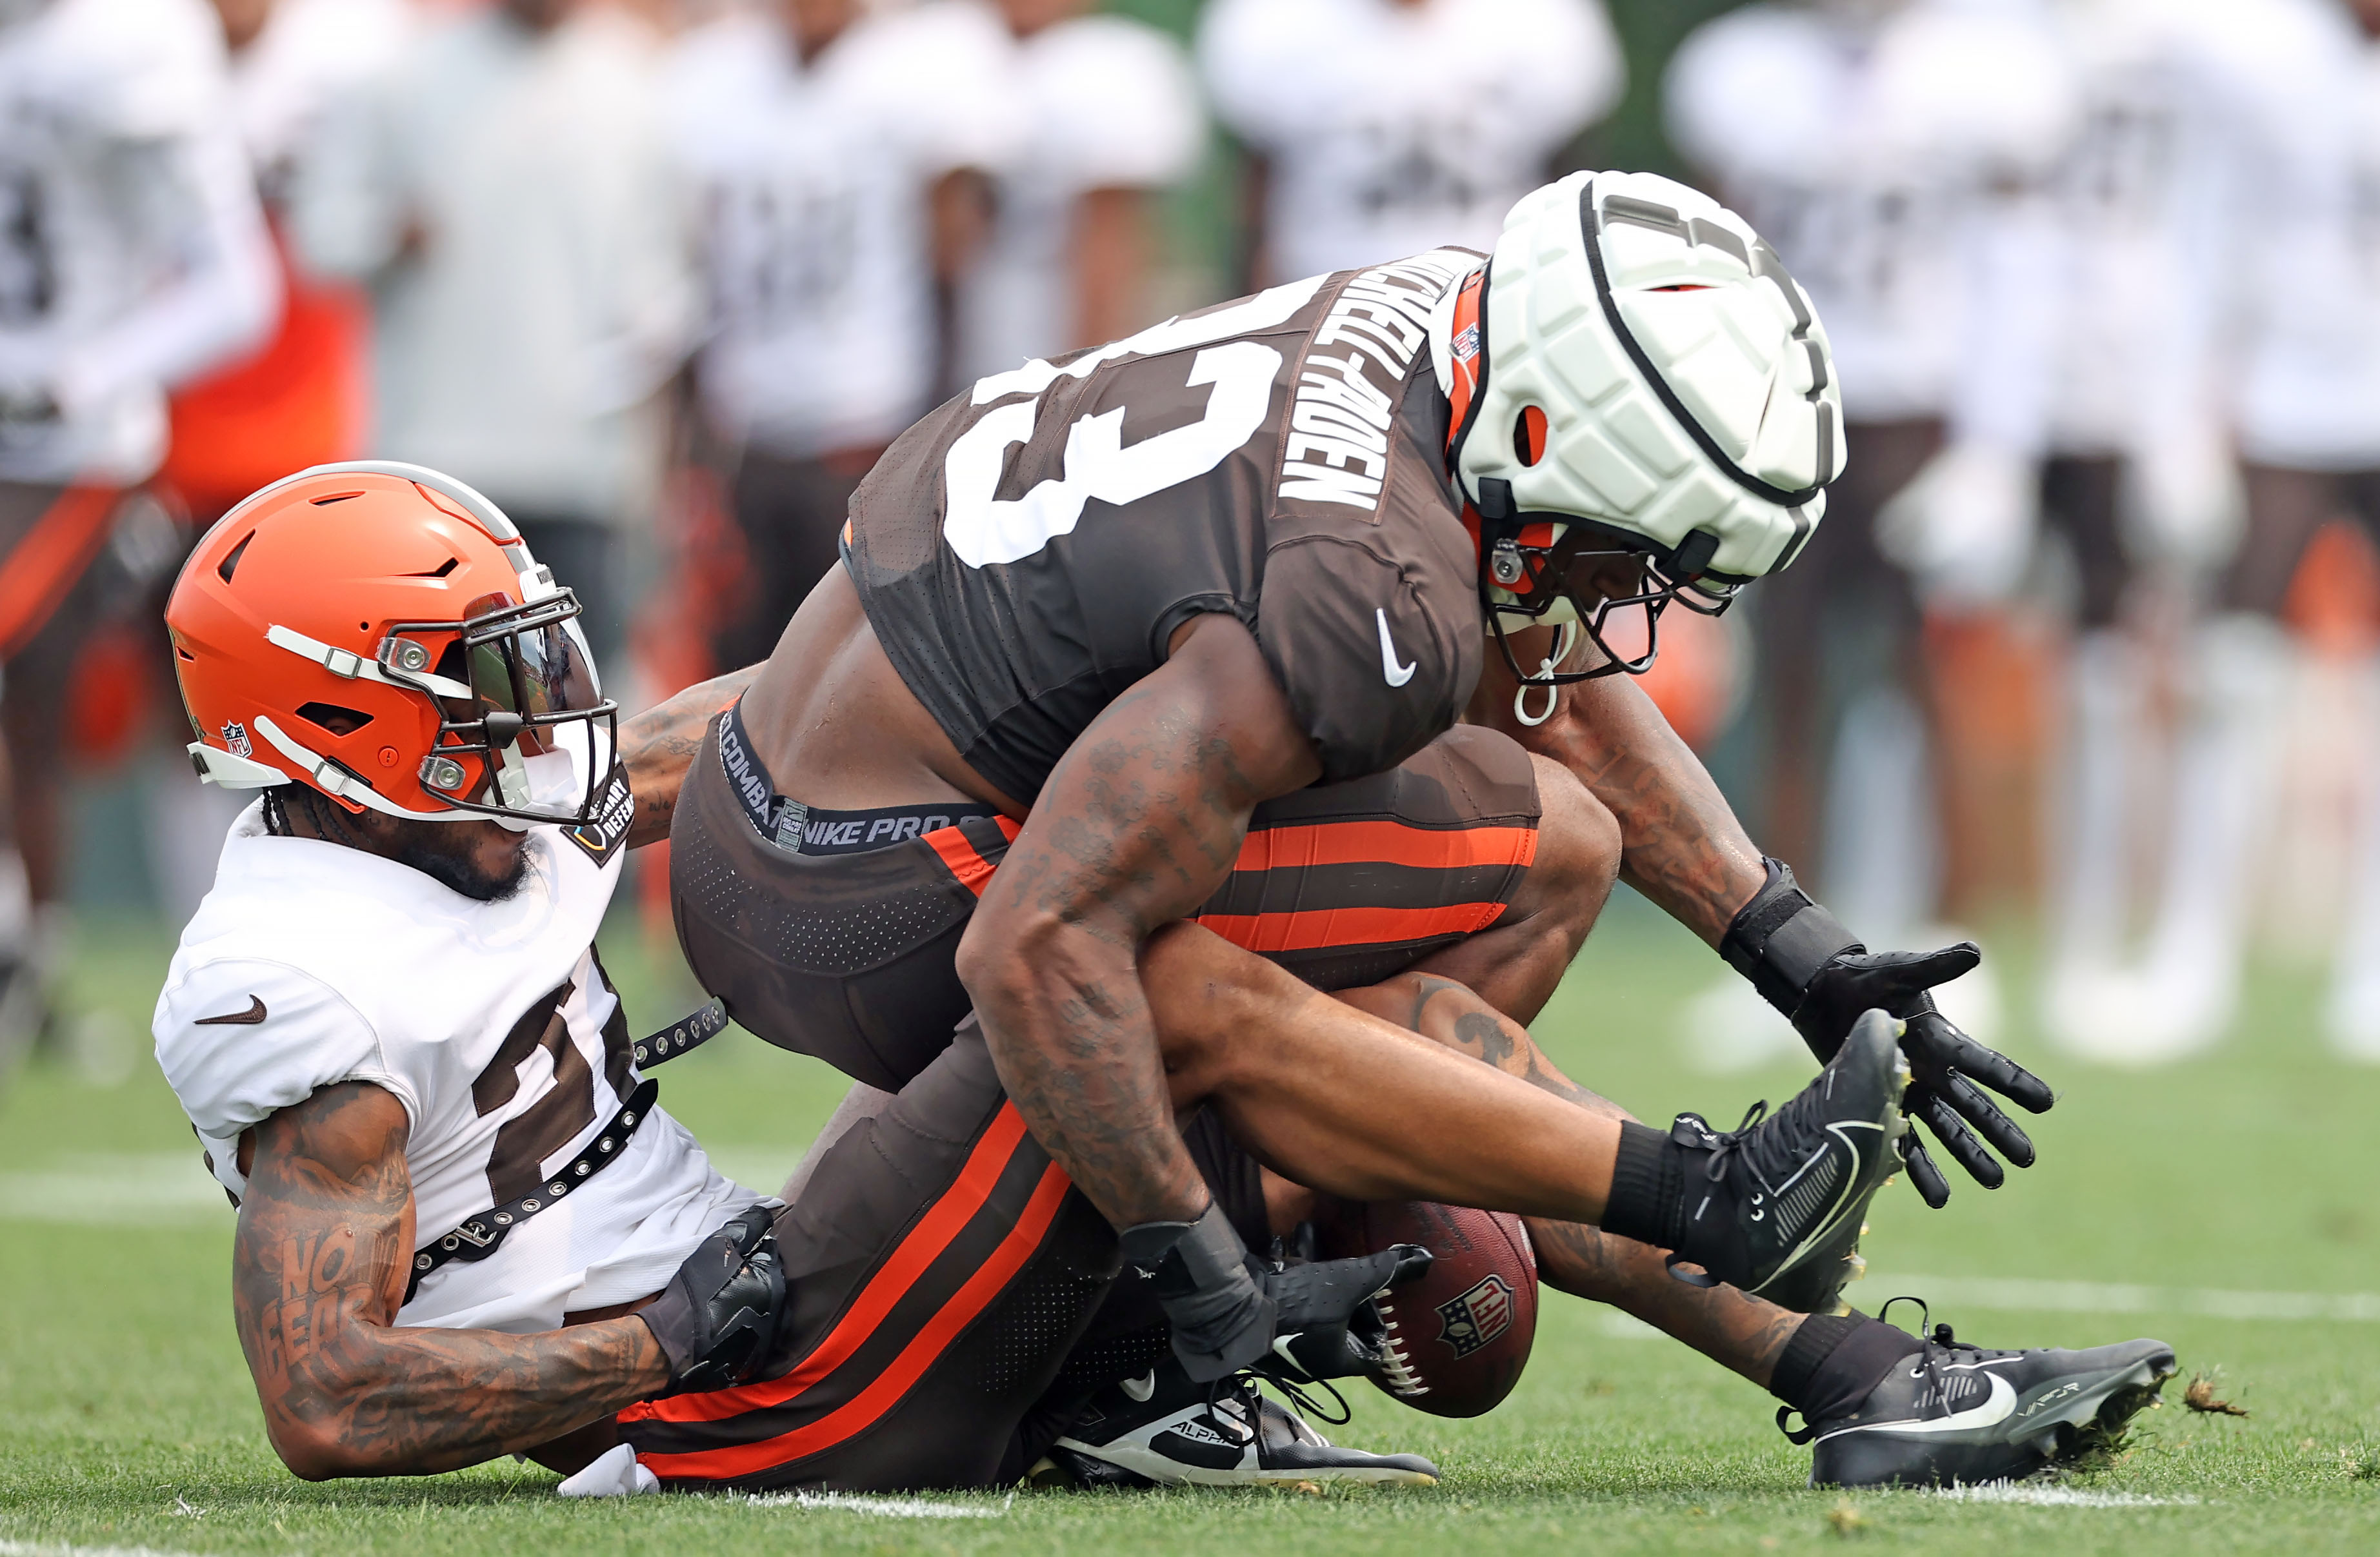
(2352, 1016)
(2225, 777)
(2091, 817)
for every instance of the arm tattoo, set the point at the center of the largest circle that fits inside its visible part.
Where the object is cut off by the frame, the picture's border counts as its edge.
(659, 744)
(318, 1269)
(1453, 1015)
(1137, 826)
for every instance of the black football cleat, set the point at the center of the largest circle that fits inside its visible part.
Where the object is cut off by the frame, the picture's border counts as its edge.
(1161, 1429)
(1958, 1415)
(1776, 1205)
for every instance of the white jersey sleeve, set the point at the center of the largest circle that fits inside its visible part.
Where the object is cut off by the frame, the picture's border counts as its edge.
(1115, 106)
(243, 1038)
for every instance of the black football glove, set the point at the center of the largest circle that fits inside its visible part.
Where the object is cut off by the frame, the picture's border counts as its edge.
(1230, 1312)
(1804, 963)
(716, 1318)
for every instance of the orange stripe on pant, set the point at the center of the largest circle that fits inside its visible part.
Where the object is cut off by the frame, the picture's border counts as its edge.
(1313, 929)
(932, 1235)
(965, 860)
(885, 1389)
(1392, 843)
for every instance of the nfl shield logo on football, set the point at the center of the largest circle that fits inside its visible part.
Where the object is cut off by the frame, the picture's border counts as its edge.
(1477, 1316)
(235, 737)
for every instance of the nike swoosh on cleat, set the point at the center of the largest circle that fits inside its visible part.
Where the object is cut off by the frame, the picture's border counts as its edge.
(1991, 1413)
(250, 1018)
(1140, 1389)
(1392, 672)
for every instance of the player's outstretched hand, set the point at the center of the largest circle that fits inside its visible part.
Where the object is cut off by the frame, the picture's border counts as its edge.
(1327, 1326)
(1947, 1071)
(716, 1318)
(1804, 963)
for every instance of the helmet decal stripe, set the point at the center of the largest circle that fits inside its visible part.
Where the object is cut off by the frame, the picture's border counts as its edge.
(1662, 219)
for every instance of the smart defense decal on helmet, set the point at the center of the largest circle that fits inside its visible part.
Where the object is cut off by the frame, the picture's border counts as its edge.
(1637, 381)
(381, 632)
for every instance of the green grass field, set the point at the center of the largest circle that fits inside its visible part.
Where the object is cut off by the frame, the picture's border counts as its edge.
(2224, 1205)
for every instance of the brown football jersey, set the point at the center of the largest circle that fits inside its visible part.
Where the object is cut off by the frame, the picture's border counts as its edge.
(1025, 551)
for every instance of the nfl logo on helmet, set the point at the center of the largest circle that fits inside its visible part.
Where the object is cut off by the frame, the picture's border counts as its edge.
(235, 736)
(1477, 1316)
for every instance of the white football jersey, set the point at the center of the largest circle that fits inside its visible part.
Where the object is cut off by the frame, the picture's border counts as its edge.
(132, 252)
(1106, 102)
(814, 182)
(311, 963)
(310, 52)
(2310, 389)
(2159, 204)
(1393, 130)
(1876, 151)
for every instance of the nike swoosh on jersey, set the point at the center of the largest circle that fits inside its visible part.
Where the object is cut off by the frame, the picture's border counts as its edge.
(250, 1018)
(1994, 1410)
(1392, 672)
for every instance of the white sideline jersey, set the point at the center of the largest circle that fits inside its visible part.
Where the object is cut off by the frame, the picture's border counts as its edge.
(1881, 156)
(814, 181)
(1106, 102)
(1394, 129)
(132, 251)
(2309, 394)
(311, 963)
(2186, 102)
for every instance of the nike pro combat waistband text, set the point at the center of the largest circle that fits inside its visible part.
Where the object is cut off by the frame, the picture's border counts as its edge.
(809, 829)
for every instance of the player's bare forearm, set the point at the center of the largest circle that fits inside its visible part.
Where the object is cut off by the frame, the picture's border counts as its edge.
(319, 1268)
(1739, 1331)
(1681, 845)
(1137, 826)
(659, 745)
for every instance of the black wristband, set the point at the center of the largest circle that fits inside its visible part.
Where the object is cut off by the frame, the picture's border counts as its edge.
(1222, 1320)
(1781, 939)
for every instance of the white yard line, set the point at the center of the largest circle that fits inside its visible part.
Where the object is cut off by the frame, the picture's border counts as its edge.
(60, 1549)
(2018, 1295)
(886, 1508)
(2056, 1497)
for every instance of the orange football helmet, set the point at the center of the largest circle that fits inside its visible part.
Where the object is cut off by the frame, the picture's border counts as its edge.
(381, 632)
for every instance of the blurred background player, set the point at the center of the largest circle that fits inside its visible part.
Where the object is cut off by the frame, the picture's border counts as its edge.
(839, 157)
(1110, 116)
(2190, 107)
(132, 257)
(2305, 397)
(299, 399)
(1896, 154)
(507, 191)
(1382, 128)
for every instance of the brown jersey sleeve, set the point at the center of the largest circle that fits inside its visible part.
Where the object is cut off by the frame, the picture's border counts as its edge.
(1375, 661)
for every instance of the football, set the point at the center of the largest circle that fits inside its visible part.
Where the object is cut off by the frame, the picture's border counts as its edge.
(1460, 1337)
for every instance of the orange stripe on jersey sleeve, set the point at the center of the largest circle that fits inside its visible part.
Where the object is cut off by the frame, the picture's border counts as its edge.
(1315, 929)
(885, 1389)
(925, 1241)
(1366, 843)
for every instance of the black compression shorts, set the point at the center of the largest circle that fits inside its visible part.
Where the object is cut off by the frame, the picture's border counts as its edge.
(850, 956)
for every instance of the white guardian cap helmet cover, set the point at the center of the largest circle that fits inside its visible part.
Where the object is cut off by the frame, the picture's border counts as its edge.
(1645, 377)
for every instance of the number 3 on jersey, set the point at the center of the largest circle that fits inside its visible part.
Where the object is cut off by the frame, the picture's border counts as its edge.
(986, 531)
